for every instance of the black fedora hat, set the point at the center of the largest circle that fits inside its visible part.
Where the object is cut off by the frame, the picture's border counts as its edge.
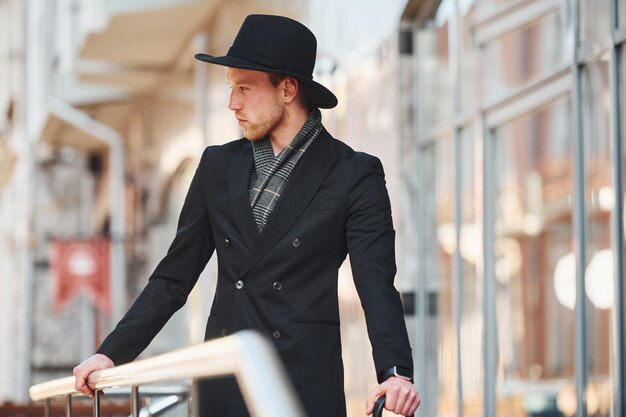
(276, 44)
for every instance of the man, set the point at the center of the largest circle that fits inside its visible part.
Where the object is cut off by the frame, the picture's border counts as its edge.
(282, 207)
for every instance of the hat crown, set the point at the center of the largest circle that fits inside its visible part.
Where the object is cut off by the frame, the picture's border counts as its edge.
(276, 42)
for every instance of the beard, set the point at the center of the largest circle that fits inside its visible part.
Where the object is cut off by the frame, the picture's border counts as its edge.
(272, 118)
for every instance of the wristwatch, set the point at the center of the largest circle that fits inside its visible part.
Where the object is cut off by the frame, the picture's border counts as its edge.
(397, 371)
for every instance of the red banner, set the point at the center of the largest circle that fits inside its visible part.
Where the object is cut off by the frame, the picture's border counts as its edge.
(81, 266)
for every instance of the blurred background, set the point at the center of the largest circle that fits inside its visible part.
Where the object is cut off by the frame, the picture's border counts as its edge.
(500, 127)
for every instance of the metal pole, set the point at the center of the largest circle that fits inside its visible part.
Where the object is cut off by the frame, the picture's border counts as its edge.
(490, 324)
(579, 216)
(115, 141)
(46, 410)
(96, 404)
(421, 298)
(134, 400)
(30, 101)
(68, 405)
(457, 269)
(87, 319)
(617, 218)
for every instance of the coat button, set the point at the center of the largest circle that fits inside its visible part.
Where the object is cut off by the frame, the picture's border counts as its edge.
(277, 286)
(239, 284)
(276, 334)
(227, 242)
(225, 332)
(295, 243)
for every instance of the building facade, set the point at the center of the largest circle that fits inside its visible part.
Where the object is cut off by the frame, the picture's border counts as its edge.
(513, 157)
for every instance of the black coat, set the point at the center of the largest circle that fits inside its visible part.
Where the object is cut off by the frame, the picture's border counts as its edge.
(282, 282)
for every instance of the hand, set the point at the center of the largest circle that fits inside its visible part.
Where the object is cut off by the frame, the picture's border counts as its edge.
(83, 371)
(402, 397)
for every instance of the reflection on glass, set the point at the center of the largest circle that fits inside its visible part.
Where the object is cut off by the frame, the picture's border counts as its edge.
(433, 80)
(472, 375)
(595, 24)
(599, 203)
(524, 55)
(533, 232)
(439, 227)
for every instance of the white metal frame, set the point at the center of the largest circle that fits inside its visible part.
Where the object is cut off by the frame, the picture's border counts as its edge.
(247, 355)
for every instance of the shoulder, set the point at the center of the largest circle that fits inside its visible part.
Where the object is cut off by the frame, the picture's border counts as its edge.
(359, 163)
(219, 157)
(225, 150)
(350, 156)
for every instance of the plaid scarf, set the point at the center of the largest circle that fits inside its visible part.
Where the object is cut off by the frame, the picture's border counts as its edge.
(271, 173)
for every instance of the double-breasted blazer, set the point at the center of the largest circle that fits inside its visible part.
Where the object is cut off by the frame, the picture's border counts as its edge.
(283, 281)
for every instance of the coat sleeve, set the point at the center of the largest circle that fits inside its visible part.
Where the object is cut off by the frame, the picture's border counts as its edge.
(172, 280)
(371, 244)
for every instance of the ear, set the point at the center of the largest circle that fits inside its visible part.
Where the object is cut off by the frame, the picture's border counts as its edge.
(291, 87)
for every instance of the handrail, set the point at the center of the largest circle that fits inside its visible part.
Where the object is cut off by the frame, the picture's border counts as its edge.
(247, 355)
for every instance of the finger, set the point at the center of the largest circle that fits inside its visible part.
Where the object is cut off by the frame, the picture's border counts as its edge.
(408, 404)
(411, 406)
(404, 399)
(371, 399)
(392, 398)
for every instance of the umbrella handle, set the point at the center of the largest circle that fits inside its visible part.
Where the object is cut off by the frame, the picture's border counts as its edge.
(379, 406)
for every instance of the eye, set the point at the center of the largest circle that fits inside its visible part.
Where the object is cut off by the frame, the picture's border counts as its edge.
(243, 88)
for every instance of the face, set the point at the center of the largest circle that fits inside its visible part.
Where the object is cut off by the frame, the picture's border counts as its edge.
(256, 102)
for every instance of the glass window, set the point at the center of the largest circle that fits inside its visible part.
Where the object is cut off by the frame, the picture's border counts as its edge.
(621, 9)
(468, 54)
(434, 103)
(470, 247)
(521, 56)
(440, 398)
(599, 203)
(533, 267)
(595, 23)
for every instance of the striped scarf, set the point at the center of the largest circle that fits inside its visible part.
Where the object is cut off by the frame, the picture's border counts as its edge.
(271, 172)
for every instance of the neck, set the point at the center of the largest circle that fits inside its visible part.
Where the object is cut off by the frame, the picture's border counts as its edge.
(287, 130)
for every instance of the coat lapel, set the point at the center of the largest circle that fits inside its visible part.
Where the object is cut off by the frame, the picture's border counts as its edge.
(239, 178)
(307, 178)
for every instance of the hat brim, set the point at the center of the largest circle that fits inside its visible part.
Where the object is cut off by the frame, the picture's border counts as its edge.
(318, 94)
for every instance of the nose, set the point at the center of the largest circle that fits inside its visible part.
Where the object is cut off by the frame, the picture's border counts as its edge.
(234, 103)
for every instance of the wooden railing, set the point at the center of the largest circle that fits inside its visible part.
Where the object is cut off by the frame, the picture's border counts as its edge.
(246, 355)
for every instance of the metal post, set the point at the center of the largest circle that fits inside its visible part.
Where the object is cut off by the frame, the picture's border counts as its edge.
(31, 10)
(96, 404)
(457, 269)
(618, 218)
(46, 410)
(68, 405)
(421, 298)
(490, 324)
(134, 400)
(579, 216)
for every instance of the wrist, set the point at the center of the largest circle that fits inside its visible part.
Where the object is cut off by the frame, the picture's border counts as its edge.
(395, 371)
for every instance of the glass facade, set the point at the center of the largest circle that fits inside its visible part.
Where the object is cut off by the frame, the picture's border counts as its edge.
(533, 234)
(523, 55)
(439, 276)
(470, 250)
(598, 204)
(516, 162)
(595, 22)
